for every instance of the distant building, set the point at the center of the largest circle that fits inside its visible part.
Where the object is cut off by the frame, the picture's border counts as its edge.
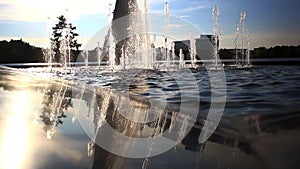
(204, 47)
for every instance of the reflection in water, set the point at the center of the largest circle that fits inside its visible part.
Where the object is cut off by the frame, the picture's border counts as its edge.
(15, 138)
(29, 107)
(238, 142)
(56, 101)
(100, 107)
(250, 137)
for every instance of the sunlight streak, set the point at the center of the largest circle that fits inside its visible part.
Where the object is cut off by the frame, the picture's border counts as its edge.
(15, 138)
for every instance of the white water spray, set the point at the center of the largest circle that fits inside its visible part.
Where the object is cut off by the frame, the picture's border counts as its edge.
(216, 33)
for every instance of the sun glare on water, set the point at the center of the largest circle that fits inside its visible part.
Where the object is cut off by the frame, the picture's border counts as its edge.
(15, 137)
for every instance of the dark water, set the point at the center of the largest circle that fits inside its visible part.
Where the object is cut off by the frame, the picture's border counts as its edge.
(53, 120)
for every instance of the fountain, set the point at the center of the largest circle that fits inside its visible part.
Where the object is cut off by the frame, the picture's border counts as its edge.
(245, 42)
(242, 20)
(193, 51)
(98, 50)
(48, 51)
(242, 43)
(173, 53)
(167, 54)
(181, 59)
(131, 46)
(236, 38)
(65, 48)
(216, 33)
(248, 47)
(136, 48)
(127, 48)
(86, 58)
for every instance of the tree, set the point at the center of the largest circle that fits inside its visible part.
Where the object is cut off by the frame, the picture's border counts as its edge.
(64, 44)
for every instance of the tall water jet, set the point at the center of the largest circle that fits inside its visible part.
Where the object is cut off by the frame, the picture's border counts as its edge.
(154, 52)
(148, 56)
(107, 42)
(123, 58)
(167, 55)
(216, 33)
(193, 51)
(181, 59)
(48, 51)
(173, 53)
(98, 50)
(68, 40)
(106, 53)
(86, 53)
(248, 47)
(63, 49)
(68, 45)
(112, 58)
(86, 58)
(242, 21)
(236, 41)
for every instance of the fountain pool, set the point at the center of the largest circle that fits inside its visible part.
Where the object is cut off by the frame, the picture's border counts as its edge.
(40, 119)
(141, 106)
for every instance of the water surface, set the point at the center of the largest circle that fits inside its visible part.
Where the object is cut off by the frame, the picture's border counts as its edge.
(48, 119)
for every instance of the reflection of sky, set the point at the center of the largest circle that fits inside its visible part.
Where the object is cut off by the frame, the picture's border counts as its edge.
(23, 144)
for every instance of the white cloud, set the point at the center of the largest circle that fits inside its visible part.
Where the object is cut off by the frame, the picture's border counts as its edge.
(170, 26)
(40, 10)
(184, 16)
(191, 9)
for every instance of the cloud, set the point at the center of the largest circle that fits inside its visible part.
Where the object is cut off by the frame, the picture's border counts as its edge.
(191, 9)
(172, 26)
(184, 16)
(40, 10)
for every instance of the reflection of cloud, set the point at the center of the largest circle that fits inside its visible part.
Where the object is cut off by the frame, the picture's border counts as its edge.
(23, 10)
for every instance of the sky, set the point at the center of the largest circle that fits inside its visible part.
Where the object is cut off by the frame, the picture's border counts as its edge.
(271, 22)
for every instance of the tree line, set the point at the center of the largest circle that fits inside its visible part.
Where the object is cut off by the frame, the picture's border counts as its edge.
(263, 52)
(18, 51)
(277, 52)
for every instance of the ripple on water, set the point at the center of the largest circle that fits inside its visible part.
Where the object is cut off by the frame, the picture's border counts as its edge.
(259, 89)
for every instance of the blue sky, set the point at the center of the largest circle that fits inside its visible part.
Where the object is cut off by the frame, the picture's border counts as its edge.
(271, 22)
